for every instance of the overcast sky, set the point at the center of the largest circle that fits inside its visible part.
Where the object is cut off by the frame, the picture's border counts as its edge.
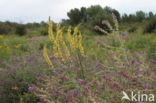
(38, 10)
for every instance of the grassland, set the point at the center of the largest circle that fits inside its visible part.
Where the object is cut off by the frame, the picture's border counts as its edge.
(111, 64)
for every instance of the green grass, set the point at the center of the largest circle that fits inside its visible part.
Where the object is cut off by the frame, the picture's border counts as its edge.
(22, 64)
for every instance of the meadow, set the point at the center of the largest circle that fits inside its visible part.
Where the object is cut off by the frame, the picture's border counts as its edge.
(73, 64)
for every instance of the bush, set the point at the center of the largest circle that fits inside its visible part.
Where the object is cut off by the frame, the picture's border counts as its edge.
(4, 28)
(132, 29)
(44, 32)
(150, 26)
(20, 30)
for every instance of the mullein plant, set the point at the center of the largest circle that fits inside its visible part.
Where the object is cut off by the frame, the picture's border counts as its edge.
(64, 46)
(68, 50)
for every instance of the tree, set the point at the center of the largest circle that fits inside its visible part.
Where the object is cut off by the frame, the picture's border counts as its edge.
(74, 16)
(83, 14)
(20, 30)
(140, 16)
(150, 14)
(110, 10)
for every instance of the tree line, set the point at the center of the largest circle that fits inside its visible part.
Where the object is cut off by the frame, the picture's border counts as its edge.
(96, 13)
(89, 16)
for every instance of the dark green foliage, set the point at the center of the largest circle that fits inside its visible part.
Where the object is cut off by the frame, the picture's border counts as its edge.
(92, 15)
(139, 16)
(44, 31)
(150, 25)
(6, 27)
(110, 11)
(42, 44)
(9, 28)
(20, 30)
(132, 29)
(151, 14)
(75, 16)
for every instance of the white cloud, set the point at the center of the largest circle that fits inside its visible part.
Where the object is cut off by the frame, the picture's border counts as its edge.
(37, 10)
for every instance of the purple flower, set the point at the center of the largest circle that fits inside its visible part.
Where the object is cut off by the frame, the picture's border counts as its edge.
(153, 61)
(81, 81)
(124, 74)
(30, 88)
(114, 16)
(85, 86)
(123, 34)
(148, 87)
(54, 58)
(108, 79)
(120, 72)
(104, 22)
(96, 27)
(99, 43)
(74, 92)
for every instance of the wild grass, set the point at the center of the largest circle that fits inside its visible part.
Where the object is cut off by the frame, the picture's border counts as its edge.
(99, 75)
(76, 68)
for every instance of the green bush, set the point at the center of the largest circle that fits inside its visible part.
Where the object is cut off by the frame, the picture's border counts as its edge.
(150, 26)
(132, 29)
(20, 30)
(42, 44)
(44, 32)
(4, 28)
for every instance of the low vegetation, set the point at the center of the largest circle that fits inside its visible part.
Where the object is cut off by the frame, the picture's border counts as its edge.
(80, 60)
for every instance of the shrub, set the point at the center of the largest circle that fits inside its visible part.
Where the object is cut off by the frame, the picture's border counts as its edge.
(4, 29)
(132, 29)
(44, 32)
(107, 27)
(150, 26)
(42, 44)
(20, 30)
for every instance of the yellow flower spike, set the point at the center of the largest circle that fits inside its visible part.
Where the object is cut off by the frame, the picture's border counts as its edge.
(59, 37)
(59, 43)
(55, 51)
(18, 45)
(46, 57)
(1, 36)
(70, 38)
(75, 40)
(80, 44)
(69, 30)
(66, 50)
(50, 30)
(58, 28)
(14, 88)
(76, 30)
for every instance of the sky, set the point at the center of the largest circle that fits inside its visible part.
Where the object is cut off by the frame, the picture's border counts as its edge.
(24, 11)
